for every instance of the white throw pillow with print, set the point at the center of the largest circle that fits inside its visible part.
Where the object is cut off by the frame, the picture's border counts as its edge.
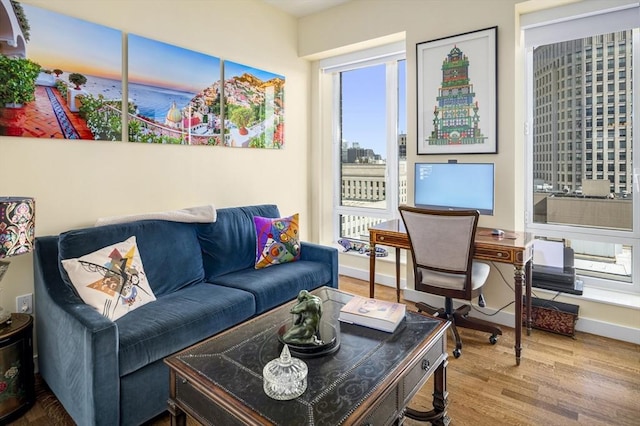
(111, 279)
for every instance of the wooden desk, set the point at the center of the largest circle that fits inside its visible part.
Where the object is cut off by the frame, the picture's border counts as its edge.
(517, 251)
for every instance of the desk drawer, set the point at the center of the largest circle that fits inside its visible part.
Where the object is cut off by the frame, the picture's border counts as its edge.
(200, 407)
(392, 240)
(384, 414)
(497, 254)
(422, 370)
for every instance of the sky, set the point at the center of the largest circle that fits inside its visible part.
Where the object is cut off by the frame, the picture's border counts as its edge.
(159, 64)
(76, 45)
(73, 45)
(363, 106)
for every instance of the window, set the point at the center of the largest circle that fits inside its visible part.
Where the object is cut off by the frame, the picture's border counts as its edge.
(370, 128)
(591, 209)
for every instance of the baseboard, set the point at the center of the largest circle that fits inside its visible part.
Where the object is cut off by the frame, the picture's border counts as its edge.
(606, 329)
(586, 325)
(362, 274)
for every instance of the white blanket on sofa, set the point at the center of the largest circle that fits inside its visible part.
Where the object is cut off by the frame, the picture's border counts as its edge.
(200, 214)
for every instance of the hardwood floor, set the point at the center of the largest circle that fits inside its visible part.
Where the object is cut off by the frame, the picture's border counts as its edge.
(589, 380)
(560, 381)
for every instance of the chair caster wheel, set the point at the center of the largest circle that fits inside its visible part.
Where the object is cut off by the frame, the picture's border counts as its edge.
(493, 339)
(456, 353)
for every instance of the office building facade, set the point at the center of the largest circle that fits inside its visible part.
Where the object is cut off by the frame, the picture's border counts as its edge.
(582, 118)
(364, 184)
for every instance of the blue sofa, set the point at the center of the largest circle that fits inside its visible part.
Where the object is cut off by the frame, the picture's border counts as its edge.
(112, 372)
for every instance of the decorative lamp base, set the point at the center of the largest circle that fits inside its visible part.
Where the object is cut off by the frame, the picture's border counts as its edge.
(5, 316)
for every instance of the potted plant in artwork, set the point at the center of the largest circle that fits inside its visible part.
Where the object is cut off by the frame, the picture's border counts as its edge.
(18, 77)
(77, 80)
(241, 117)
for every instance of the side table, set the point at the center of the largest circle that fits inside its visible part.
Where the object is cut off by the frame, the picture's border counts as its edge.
(17, 393)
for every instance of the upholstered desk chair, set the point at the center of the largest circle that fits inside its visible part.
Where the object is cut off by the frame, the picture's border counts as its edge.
(442, 245)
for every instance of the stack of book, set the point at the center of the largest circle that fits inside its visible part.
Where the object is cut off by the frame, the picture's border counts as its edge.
(373, 313)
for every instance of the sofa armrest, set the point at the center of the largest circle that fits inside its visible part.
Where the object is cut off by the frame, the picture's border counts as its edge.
(320, 253)
(77, 347)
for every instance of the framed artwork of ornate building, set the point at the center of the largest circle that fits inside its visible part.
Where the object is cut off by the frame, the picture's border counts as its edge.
(457, 94)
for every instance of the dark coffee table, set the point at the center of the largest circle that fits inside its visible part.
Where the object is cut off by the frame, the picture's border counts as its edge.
(369, 380)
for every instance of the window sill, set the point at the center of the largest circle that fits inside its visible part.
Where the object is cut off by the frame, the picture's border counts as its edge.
(598, 295)
(626, 300)
(391, 257)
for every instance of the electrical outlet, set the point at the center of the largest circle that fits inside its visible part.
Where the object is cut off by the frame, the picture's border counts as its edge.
(24, 304)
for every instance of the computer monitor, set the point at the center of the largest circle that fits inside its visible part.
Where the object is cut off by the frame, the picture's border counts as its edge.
(454, 186)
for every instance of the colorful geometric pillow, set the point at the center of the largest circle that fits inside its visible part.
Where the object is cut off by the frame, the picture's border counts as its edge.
(277, 240)
(112, 279)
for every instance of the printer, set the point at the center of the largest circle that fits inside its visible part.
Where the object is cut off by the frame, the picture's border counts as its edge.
(553, 267)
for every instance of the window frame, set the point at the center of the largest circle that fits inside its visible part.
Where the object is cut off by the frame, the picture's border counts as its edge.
(389, 55)
(559, 19)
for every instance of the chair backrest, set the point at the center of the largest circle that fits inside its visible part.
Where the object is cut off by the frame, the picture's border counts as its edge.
(442, 242)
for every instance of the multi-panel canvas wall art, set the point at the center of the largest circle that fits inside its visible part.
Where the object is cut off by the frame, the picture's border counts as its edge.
(254, 107)
(61, 76)
(175, 94)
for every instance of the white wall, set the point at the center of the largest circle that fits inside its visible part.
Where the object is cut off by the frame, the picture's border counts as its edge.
(353, 25)
(363, 23)
(75, 182)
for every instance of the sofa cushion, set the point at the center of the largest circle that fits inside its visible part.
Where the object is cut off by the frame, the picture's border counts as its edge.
(178, 320)
(279, 283)
(229, 244)
(278, 240)
(111, 279)
(169, 250)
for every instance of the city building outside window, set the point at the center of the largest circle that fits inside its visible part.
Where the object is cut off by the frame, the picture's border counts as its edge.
(594, 213)
(370, 129)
